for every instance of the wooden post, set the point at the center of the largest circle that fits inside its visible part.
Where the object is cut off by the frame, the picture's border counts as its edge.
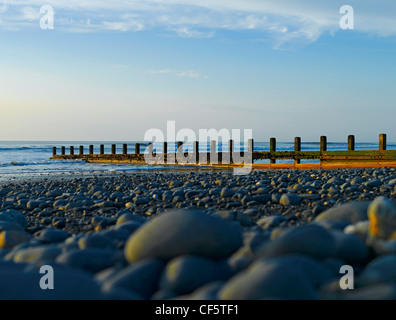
(91, 149)
(382, 142)
(102, 149)
(231, 149)
(323, 143)
(63, 151)
(196, 151)
(165, 151)
(351, 143)
(297, 148)
(54, 151)
(81, 150)
(137, 148)
(113, 149)
(250, 145)
(231, 146)
(272, 148)
(179, 144)
(71, 150)
(125, 149)
(213, 155)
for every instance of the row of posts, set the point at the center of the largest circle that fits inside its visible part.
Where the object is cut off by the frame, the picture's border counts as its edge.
(137, 148)
(297, 146)
(101, 150)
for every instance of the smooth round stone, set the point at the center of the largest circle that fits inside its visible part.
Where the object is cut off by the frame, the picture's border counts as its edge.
(360, 229)
(184, 274)
(382, 217)
(20, 281)
(214, 191)
(263, 198)
(271, 279)
(226, 214)
(289, 199)
(59, 223)
(14, 216)
(130, 217)
(96, 241)
(141, 278)
(373, 183)
(51, 235)
(262, 190)
(141, 200)
(6, 225)
(381, 269)
(275, 198)
(226, 192)
(350, 247)
(332, 225)
(311, 240)
(270, 221)
(310, 196)
(90, 260)
(11, 238)
(36, 254)
(177, 233)
(351, 212)
(255, 239)
(206, 292)
(32, 204)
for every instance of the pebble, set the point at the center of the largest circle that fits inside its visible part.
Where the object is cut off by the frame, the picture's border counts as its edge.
(276, 278)
(141, 278)
(177, 232)
(350, 248)
(185, 274)
(11, 238)
(381, 269)
(14, 216)
(311, 240)
(351, 212)
(91, 260)
(51, 235)
(96, 241)
(382, 217)
(42, 254)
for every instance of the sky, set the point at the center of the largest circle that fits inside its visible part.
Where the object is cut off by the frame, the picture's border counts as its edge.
(113, 69)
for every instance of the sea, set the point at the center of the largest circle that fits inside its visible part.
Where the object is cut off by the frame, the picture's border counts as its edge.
(30, 157)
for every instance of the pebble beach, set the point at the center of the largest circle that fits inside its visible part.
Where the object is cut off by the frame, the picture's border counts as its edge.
(200, 235)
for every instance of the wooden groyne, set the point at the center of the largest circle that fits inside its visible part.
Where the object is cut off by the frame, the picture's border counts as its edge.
(349, 158)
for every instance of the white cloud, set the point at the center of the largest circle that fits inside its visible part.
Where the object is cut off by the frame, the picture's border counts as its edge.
(189, 74)
(186, 32)
(282, 20)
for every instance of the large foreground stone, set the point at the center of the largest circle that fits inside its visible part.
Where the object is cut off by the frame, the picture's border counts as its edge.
(184, 232)
(350, 212)
(288, 277)
(311, 240)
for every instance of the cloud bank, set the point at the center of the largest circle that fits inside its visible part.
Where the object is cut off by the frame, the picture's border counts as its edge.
(284, 21)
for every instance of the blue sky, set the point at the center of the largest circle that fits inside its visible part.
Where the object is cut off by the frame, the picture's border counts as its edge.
(110, 70)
